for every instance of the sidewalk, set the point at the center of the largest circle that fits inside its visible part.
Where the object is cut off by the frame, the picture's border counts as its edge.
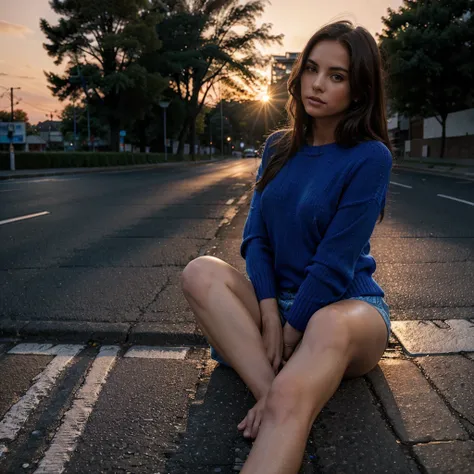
(461, 168)
(39, 173)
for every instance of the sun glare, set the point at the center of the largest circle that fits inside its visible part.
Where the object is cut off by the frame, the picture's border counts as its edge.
(265, 98)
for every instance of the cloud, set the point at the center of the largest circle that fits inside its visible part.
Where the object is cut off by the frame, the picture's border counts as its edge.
(13, 29)
(16, 77)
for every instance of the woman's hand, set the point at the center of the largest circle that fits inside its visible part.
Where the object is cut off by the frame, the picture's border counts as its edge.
(272, 336)
(251, 423)
(272, 332)
(291, 338)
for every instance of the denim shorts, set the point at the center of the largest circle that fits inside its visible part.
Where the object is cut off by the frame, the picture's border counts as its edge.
(285, 301)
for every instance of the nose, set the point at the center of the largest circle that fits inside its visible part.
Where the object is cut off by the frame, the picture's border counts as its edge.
(318, 83)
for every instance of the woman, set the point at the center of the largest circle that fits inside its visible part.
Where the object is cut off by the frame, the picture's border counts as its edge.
(311, 308)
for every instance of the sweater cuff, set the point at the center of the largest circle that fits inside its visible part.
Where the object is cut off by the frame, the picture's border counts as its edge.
(301, 312)
(264, 286)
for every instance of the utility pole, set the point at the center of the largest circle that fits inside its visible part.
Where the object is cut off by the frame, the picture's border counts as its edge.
(11, 100)
(11, 130)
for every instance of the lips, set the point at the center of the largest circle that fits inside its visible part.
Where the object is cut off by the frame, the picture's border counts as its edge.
(316, 99)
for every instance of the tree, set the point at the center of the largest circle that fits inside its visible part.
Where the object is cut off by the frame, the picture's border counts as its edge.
(105, 44)
(98, 128)
(429, 47)
(209, 42)
(19, 115)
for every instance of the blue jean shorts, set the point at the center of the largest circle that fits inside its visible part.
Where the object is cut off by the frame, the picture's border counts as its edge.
(285, 301)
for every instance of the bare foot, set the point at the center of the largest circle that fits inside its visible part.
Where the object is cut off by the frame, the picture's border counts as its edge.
(251, 423)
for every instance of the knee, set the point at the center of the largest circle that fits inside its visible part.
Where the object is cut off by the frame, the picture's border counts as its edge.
(285, 400)
(197, 276)
(329, 328)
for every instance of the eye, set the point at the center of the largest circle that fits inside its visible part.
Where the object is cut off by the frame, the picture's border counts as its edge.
(310, 68)
(338, 77)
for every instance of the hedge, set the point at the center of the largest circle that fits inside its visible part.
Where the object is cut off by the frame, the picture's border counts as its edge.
(41, 160)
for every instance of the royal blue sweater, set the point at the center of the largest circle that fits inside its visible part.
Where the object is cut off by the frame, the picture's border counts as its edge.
(309, 230)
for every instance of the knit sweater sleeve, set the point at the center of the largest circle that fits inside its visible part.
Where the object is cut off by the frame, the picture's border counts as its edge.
(256, 248)
(331, 270)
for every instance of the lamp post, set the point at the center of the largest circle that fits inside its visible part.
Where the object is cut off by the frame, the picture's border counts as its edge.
(164, 105)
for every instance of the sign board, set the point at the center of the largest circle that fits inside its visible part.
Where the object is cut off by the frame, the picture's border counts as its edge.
(19, 132)
(123, 133)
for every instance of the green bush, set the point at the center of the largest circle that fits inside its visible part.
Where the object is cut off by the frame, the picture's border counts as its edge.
(41, 160)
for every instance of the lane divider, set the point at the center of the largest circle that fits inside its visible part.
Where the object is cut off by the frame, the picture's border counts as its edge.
(22, 218)
(455, 199)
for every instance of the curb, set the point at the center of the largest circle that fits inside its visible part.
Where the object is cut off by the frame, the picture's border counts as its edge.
(434, 172)
(162, 334)
(42, 174)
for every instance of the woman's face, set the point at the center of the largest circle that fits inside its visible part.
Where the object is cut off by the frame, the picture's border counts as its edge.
(325, 88)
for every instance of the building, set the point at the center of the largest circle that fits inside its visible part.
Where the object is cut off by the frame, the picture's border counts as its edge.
(35, 143)
(282, 65)
(420, 137)
(49, 130)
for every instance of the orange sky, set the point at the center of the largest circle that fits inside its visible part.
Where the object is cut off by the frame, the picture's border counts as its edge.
(23, 59)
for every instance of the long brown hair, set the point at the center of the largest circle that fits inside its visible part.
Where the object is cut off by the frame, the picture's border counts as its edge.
(364, 120)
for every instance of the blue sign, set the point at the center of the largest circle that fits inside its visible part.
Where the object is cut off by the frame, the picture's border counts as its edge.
(123, 133)
(19, 132)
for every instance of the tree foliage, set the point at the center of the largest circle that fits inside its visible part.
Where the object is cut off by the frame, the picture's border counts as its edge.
(429, 48)
(206, 42)
(106, 45)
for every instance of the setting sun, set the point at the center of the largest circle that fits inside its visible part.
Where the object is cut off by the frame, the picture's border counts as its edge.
(265, 98)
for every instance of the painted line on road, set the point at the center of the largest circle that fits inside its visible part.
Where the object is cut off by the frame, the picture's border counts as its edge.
(16, 417)
(66, 438)
(21, 218)
(230, 201)
(456, 199)
(154, 352)
(242, 199)
(402, 185)
(42, 349)
(9, 190)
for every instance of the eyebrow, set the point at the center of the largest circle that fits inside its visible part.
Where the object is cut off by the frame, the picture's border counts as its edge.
(334, 68)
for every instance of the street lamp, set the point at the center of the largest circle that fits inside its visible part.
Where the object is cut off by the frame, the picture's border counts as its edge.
(164, 105)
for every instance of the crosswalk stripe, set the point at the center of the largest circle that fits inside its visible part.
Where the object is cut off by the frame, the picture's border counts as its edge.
(153, 352)
(42, 349)
(16, 417)
(66, 438)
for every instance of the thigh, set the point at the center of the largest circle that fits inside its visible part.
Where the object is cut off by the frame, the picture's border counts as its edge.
(215, 269)
(367, 334)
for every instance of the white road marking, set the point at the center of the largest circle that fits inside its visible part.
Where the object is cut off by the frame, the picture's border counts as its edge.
(8, 190)
(455, 199)
(15, 418)
(154, 352)
(21, 218)
(65, 440)
(230, 201)
(402, 185)
(242, 199)
(42, 349)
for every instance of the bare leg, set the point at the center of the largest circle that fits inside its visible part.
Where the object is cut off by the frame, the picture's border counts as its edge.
(346, 338)
(227, 312)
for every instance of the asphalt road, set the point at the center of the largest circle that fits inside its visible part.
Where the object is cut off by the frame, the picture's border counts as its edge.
(112, 245)
(111, 249)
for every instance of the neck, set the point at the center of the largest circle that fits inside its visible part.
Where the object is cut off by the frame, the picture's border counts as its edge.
(324, 131)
